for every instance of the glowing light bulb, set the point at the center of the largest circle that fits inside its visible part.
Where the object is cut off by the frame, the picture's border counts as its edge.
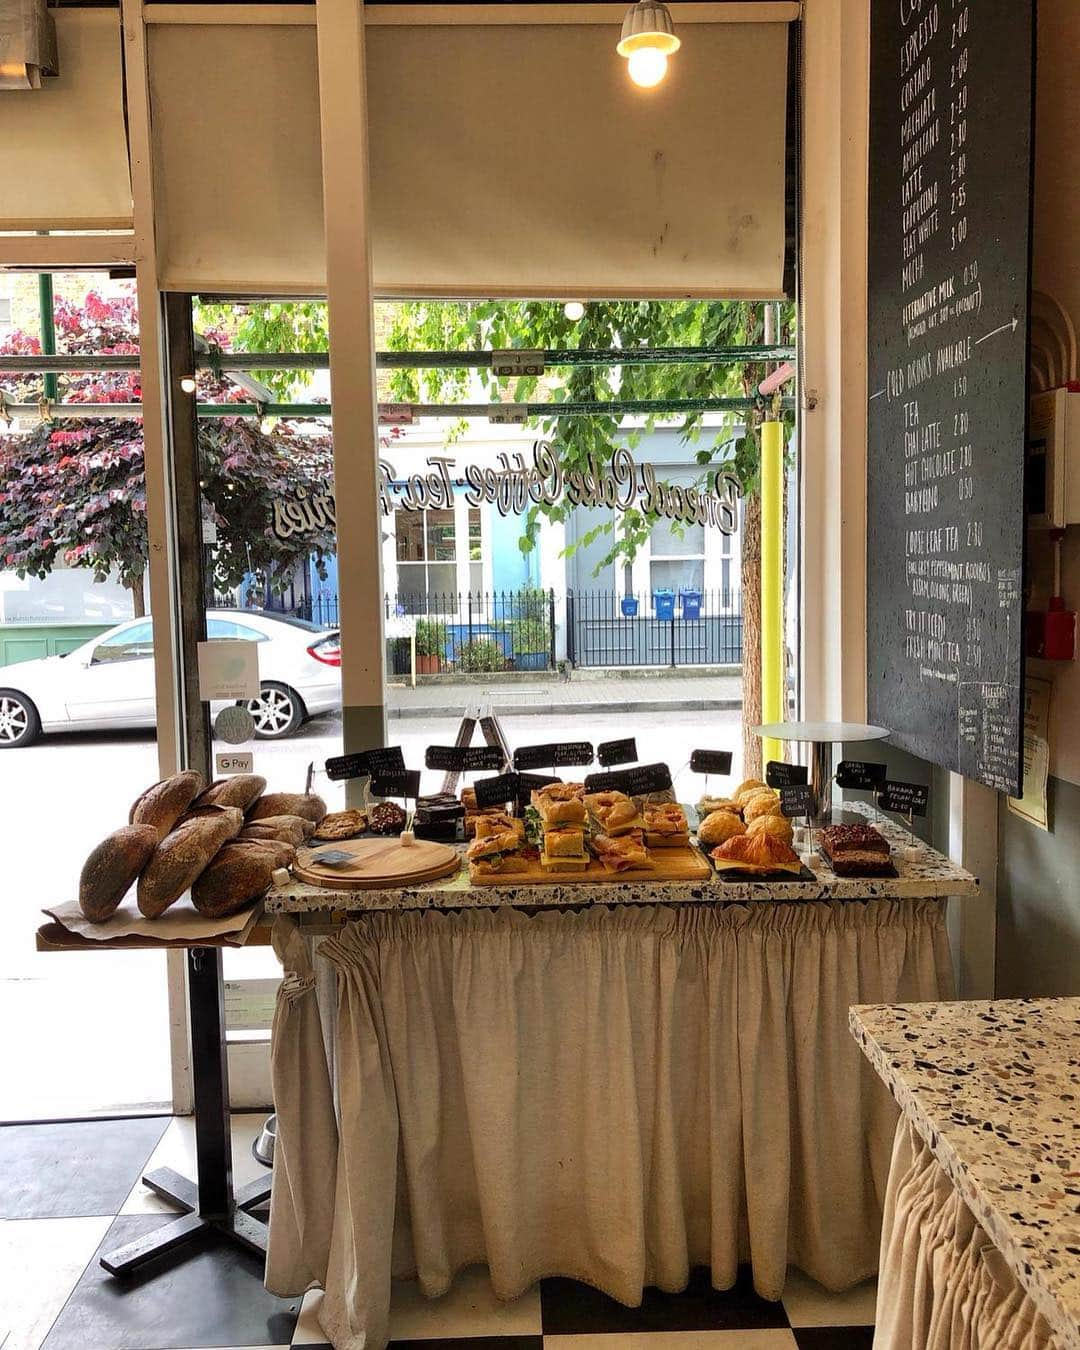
(574, 310)
(187, 384)
(647, 66)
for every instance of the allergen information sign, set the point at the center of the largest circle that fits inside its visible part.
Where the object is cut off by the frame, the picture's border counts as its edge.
(951, 86)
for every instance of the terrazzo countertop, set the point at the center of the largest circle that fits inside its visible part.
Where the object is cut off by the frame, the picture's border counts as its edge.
(994, 1090)
(927, 875)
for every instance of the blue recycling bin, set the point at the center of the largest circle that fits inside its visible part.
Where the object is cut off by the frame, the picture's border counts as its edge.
(629, 605)
(664, 604)
(691, 604)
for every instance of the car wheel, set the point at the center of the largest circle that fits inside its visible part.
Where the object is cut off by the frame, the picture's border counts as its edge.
(19, 720)
(277, 711)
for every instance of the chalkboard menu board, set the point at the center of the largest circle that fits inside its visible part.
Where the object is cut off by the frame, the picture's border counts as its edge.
(950, 191)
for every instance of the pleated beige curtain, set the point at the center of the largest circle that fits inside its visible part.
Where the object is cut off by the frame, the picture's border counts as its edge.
(615, 1095)
(943, 1284)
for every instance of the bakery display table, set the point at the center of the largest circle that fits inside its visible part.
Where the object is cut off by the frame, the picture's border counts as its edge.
(613, 1083)
(981, 1241)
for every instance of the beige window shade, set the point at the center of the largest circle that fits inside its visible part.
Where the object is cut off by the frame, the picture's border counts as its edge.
(511, 159)
(64, 163)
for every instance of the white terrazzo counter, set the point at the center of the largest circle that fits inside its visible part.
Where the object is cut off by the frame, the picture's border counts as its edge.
(994, 1090)
(926, 875)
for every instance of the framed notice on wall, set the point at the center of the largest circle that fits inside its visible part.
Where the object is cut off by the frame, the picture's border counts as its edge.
(948, 283)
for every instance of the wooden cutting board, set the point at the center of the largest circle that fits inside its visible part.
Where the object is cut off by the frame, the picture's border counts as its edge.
(380, 863)
(672, 864)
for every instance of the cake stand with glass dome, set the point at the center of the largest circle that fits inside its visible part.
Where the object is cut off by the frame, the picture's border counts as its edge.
(821, 737)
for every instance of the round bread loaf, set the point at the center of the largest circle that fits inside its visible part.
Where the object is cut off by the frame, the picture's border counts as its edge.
(719, 826)
(276, 851)
(774, 824)
(182, 855)
(236, 878)
(111, 868)
(293, 829)
(760, 804)
(163, 804)
(306, 804)
(243, 790)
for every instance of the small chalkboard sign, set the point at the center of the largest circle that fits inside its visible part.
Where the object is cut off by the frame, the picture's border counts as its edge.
(860, 774)
(617, 752)
(554, 755)
(795, 799)
(497, 791)
(904, 799)
(483, 757)
(711, 761)
(529, 782)
(347, 766)
(403, 784)
(385, 759)
(449, 757)
(778, 774)
(635, 782)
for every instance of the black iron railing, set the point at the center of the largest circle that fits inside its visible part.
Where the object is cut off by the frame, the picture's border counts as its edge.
(664, 628)
(474, 632)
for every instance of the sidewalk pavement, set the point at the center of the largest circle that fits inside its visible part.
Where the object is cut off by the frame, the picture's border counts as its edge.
(549, 697)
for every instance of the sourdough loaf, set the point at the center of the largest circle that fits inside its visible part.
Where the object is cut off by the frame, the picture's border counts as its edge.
(305, 804)
(163, 804)
(242, 790)
(182, 855)
(236, 878)
(293, 829)
(112, 867)
(276, 851)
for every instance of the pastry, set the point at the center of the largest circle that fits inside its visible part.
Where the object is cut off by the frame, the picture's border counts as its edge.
(386, 818)
(615, 812)
(719, 826)
(560, 803)
(707, 804)
(666, 826)
(111, 868)
(163, 804)
(856, 851)
(775, 824)
(761, 804)
(340, 825)
(745, 788)
(306, 804)
(759, 853)
(620, 854)
(182, 855)
(242, 790)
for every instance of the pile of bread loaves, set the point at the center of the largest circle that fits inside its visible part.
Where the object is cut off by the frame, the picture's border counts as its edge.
(222, 842)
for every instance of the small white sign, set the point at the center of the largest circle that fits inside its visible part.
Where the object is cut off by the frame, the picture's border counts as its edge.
(234, 724)
(233, 761)
(505, 414)
(228, 668)
(516, 361)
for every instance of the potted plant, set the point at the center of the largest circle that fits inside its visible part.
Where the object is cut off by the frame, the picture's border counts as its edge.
(530, 631)
(431, 639)
(481, 656)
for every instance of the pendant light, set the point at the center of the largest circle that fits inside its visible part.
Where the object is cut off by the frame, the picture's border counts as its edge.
(648, 39)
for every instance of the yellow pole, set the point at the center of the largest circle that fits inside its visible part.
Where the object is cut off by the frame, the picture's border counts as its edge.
(772, 584)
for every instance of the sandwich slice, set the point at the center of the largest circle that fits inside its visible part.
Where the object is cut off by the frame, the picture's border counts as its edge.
(620, 853)
(560, 804)
(666, 826)
(563, 849)
(497, 855)
(614, 812)
(498, 822)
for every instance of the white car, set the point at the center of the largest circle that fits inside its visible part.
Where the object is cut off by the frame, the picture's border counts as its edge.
(109, 681)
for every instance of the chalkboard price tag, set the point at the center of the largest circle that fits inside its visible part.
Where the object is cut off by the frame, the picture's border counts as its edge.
(617, 752)
(385, 759)
(450, 757)
(483, 757)
(496, 791)
(635, 782)
(534, 757)
(403, 784)
(573, 753)
(858, 773)
(779, 775)
(710, 761)
(347, 766)
(795, 799)
(529, 782)
(905, 799)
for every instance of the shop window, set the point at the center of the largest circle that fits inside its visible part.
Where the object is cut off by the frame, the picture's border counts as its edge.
(476, 552)
(225, 628)
(426, 554)
(677, 558)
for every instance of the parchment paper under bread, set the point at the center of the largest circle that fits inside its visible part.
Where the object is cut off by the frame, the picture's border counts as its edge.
(181, 922)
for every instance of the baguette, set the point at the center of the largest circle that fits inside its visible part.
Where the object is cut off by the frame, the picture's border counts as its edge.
(243, 790)
(163, 804)
(306, 804)
(236, 878)
(293, 829)
(111, 868)
(181, 857)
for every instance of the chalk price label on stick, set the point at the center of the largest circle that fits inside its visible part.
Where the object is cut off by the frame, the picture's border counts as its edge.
(795, 799)
(904, 799)
(497, 791)
(779, 775)
(384, 759)
(859, 774)
(347, 766)
(467, 758)
(405, 784)
(711, 761)
(636, 782)
(554, 755)
(617, 752)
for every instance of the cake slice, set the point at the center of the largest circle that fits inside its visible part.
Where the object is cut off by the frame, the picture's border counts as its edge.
(856, 851)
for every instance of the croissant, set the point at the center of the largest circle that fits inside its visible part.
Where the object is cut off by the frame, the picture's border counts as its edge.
(758, 852)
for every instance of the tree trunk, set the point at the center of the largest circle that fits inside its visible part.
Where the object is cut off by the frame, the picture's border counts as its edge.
(138, 602)
(751, 631)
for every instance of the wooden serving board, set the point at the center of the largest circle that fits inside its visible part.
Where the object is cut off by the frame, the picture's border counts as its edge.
(672, 864)
(379, 863)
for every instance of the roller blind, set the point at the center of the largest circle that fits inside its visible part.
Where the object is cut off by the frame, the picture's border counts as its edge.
(64, 163)
(511, 159)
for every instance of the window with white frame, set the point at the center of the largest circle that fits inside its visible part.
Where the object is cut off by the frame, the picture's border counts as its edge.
(437, 553)
(676, 557)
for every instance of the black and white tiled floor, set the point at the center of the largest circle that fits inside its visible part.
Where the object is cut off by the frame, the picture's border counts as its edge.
(68, 1191)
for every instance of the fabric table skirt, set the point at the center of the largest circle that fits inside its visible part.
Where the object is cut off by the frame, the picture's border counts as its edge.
(943, 1284)
(615, 1095)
